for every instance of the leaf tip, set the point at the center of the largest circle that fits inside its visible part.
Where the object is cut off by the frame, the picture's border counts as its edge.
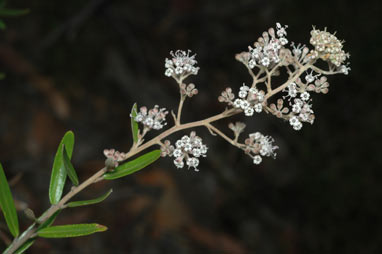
(101, 228)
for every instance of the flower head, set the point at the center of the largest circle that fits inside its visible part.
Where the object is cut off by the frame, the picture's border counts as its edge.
(113, 157)
(181, 65)
(187, 149)
(266, 51)
(154, 118)
(258, 145)
(328, 47)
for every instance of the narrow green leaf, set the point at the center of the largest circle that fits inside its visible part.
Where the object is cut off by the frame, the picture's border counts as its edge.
(134, 124)
(2, 25)
(90, 202)
(69, 167)
(25, 246)
(134, 165)
(71, 230)
(58, 176)
(13, 12)
(7, 205)
(49, 221)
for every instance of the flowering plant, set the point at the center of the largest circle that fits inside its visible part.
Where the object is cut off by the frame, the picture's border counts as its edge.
(270, 56)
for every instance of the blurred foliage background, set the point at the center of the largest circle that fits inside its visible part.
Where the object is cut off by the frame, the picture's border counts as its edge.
(80, 65)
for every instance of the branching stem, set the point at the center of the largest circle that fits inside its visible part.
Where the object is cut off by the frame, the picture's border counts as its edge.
(98, 176)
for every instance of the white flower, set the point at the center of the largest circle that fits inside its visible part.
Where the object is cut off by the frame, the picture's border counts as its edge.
(292, 90)
(168, 72)
(244, 88)
(265, 61)
(294, 121)
(185, 139)
(345, 69)
(252, 64)
(257, 159)
(296, 108)
(258, 107)
(178, 70)
(187, 147)
(148, 122)
(196, 152)
(305, 96)
(309, 78)
(178, 162)
(177, 153)
(260, 96)
(283, 41)
(244, 104)
(179, 143)
(242, 94)
(248, 111)
(203, 149)
(297, 126)
(193, 162)
(256, 135)
(237, 103)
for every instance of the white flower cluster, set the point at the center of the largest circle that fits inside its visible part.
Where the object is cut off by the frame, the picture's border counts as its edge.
(250, 100)
(302, 112)
(181, 65)
(258, 145)
(267, 48)
(328, 48)
(301, 109)
(115, 156)
(154, 118)
(188, 148)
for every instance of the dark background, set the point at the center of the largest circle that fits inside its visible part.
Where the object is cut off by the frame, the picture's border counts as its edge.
(80, 65)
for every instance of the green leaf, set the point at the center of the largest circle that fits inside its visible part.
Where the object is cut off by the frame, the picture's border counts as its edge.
(25, 246)
(133, 166)
(58, 176)
(13, 12)
(90, 202)
(49, 221)
(2, 25)
(69, 167)
(134, 124)
(2, 74)
(7, 205)
(71, 230)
